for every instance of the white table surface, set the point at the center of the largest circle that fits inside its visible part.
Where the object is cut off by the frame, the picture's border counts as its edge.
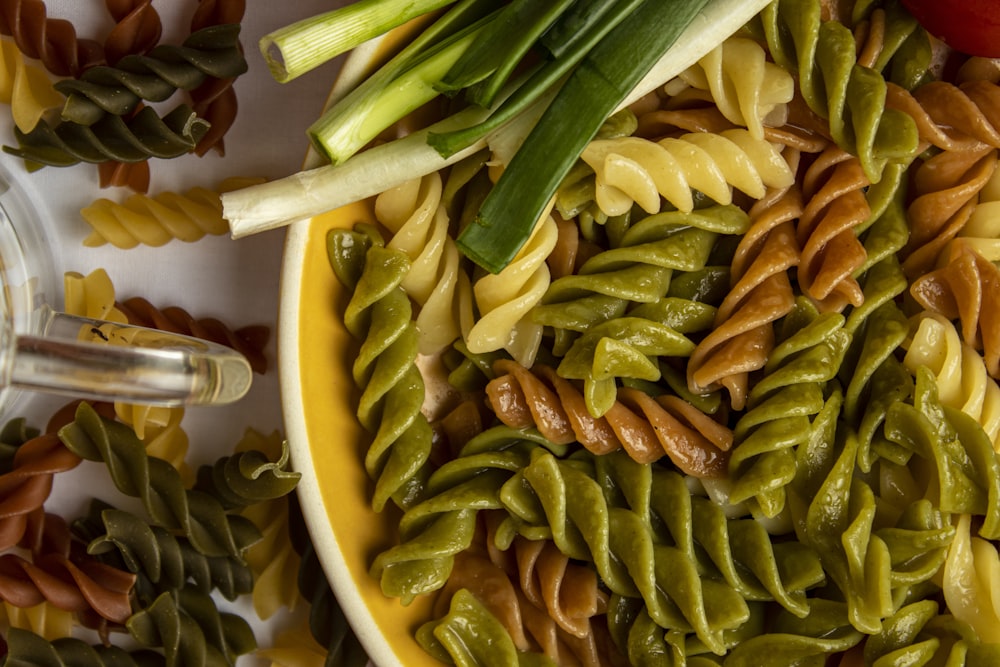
(236, 281)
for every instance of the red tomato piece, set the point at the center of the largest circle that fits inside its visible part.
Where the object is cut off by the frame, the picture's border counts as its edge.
(969, 26)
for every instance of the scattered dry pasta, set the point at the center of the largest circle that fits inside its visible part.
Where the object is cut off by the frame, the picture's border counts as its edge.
(158, 219)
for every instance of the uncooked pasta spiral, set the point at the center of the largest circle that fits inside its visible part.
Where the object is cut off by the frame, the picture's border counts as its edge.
(379, 315)
(967, 290)
(962, 380)
(212, 52)
(52, 41)
(760, 294)
(215, 100)
(644, 426)
(945, 192)
(191, 630)
(139, 137)
(72, 582)
(633, 170)
(137, 28)
(25, 87)
(747, 88)
(612, 524)
(949, 116)
(638, 268)
(248, 477)
(419, 222)
(849, 96)
(27, 648)
(780, 408)
(26, 486)
(921, 633)
(444, 523)
(958, 451)
(162, 561)
(155, 220)
(197, 515)
(45, 619)
(505, 299)
(161, 431)
(835, 208)
(250, 340)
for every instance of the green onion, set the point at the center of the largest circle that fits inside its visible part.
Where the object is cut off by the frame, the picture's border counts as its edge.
(401, 85)
(542, 80)
(300, 47)
(319, 189)
(565, 33)
(517, 27)
(593, 91)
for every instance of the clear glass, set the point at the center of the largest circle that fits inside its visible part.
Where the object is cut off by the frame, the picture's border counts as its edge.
(42, 349)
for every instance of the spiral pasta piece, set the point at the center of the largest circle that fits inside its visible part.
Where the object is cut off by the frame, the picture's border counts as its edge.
(966, 290)
(635, 559)
(442, 525)
(25, 87)
(632, 170)
(141, 136)
(971, 583)
(760, 294)
(835, 207)
(78, 585)
(161, 561)
(850, 97)
(505, 299)
(215, 100)
(155, 220)
(52, 41)
(949, 116)
(638, 268)
(646, 428)
(327, 622)
(962, 380)
(26, 486)
(780, 409)
(45, 619)
(945, 194)
(197, 515)
(26, 647)
(248, 477)
(249, 340)
(379, 316)
(191, 630)
(154, 76)
(419, 222)
(137, 28)
(748, 89)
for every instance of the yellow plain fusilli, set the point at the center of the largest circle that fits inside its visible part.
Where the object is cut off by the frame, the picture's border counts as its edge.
(747, 88)
(962, 380)
(27, 88)
(504, 299)
(155, 220)
(632, 170)
(419, 223)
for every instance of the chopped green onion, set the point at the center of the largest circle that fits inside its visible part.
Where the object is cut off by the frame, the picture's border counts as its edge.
(304, 45)
(593, 91)
(565, 33)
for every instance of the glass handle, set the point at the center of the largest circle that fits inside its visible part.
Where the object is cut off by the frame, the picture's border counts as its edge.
(87, 358)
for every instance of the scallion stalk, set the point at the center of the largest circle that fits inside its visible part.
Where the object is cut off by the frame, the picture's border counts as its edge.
(378, 102)
(593, 91)
(542, 80)
(300, 47)
(484, 69)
